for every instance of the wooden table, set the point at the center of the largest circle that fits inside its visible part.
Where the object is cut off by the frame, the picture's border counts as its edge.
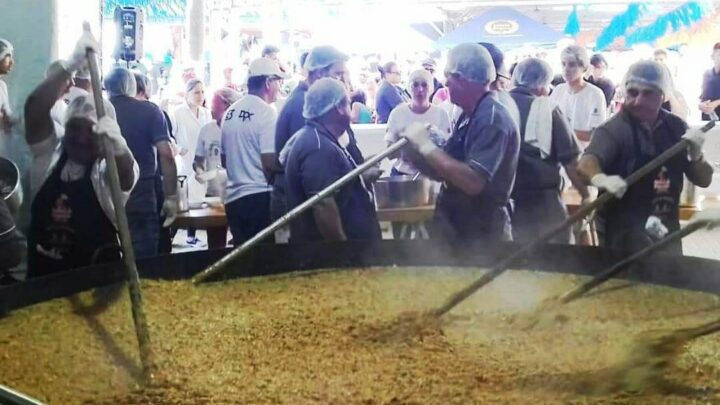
(412, 220)
(211, 218)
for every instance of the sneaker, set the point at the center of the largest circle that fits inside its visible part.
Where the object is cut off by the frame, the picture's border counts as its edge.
(195, 242)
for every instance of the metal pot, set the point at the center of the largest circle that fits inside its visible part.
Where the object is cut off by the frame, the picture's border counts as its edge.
(10, 189)
(402, 192)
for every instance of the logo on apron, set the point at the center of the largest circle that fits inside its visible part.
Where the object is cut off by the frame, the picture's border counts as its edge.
(59, 236)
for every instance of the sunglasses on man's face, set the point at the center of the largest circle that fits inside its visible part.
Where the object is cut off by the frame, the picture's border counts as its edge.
(636, 92)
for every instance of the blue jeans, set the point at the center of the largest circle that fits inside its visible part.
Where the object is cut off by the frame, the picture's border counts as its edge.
(144, 231)
(247, 216)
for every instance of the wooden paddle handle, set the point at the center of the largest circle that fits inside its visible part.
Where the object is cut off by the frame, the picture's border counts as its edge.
(138, 313)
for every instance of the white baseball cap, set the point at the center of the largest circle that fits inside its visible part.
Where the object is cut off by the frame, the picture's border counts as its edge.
(265, 67)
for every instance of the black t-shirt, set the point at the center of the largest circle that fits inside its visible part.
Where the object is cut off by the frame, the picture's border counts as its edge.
(533, 175)
(604, 84)
(710, 89)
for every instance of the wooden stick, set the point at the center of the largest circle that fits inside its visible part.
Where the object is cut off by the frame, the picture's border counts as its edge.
(503, 265)
(222, 265)
(612, 271)
(138, 313)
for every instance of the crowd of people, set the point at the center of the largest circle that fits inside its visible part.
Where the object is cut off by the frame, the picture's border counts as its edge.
(500, 140)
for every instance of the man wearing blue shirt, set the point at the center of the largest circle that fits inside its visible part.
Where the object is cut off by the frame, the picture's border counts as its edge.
(316, 160)
(710, 96)
(143, 125)
(477, 164)
(322, 61)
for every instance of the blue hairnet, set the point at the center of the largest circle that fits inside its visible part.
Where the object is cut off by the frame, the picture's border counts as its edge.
(649, 73)
(120, 82)
(471, 61)
(532, 73)
(6, 48)
(84, 107)
(323, 56)
(323, 96)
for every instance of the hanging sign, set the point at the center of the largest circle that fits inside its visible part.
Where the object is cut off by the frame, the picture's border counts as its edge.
(130, 24)
(501, 27)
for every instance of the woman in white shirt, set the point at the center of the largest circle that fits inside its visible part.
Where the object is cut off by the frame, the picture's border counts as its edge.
(419, 109)
(187, 121)
(582, 103)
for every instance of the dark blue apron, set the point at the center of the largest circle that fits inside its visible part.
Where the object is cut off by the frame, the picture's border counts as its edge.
(68, 227)
(458, 215)
(621, 223)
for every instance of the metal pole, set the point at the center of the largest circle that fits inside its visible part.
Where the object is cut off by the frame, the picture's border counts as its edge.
(11, 397)
(138, 313)
(222, 264)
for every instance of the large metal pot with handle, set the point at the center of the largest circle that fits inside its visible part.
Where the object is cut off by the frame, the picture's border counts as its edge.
(402, 192)
(10, 189)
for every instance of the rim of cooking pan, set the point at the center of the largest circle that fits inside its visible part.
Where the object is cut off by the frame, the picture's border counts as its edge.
(690, 273)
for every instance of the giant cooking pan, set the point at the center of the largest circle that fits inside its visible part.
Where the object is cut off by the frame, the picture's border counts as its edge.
(674, 271)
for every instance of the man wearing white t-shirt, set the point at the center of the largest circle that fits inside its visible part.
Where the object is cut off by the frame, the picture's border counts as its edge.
(248, 151)
(582, 103)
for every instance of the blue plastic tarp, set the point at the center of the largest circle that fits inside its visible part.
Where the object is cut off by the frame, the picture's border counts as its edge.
(504, 27)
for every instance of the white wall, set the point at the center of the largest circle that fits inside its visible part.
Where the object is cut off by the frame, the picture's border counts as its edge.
(30, 25)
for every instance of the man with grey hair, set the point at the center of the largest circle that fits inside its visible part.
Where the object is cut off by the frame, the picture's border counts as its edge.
(316, 160)
(144, 128)
(645, 211)
(477, 164)
(582, 103)
(322, 61)
(548, 143)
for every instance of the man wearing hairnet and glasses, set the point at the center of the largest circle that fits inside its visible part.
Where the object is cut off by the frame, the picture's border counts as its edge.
(649, 209)
(316, 160)
(477, 164)
(72, 215)
(6, 65)
(321, 62)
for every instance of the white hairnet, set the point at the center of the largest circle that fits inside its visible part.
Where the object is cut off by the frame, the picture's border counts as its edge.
(578, 54)
(323, 56)
(55, 68)
(84, 107)
(471, 61)
(323, 96)
(420, 75)
(532, 73)
(649, 73)
(6, 48)
(120, 82)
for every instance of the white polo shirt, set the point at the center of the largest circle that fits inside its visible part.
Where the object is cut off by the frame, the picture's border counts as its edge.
(248, 130)
(585, 110)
